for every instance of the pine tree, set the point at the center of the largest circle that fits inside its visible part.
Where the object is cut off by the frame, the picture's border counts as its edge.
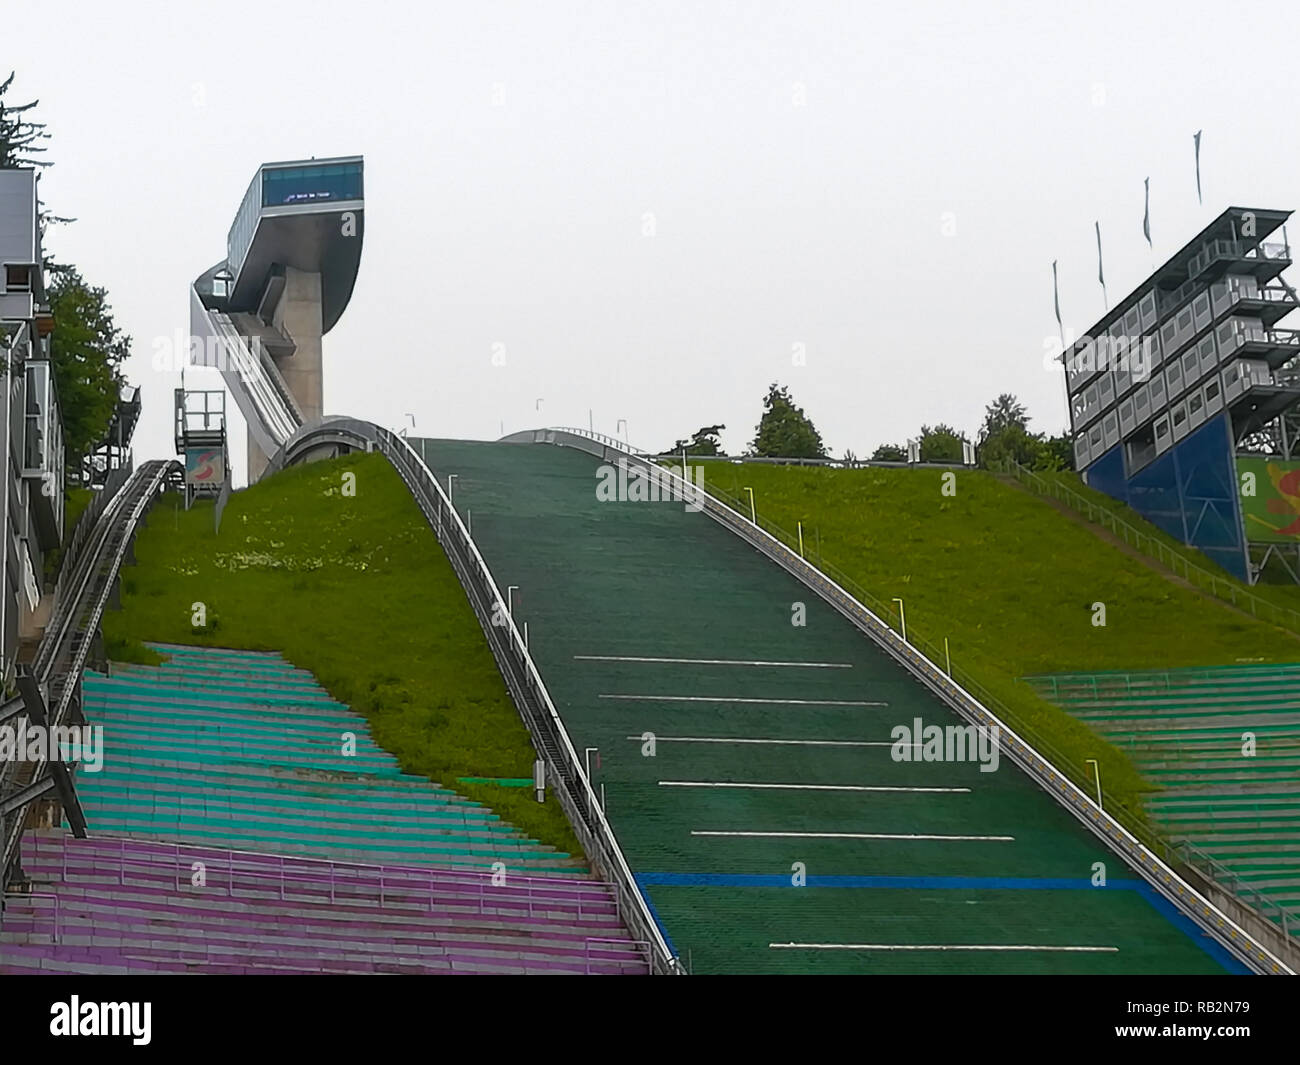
(784, 430)
(20, 138)
(1004, 412)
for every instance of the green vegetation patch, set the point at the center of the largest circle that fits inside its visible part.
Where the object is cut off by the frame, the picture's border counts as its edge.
(1275, 586)
(357, 590)
(1011, 583)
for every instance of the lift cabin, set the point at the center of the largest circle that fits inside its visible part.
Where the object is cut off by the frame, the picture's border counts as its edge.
(201, 443)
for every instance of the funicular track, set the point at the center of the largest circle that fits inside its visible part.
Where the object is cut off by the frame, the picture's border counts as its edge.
(50, 690)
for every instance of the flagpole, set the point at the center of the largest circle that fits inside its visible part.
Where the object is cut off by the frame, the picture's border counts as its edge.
(1101, 274)
(1146, 220)
(1056, 302)
(1196, 141)
(1065, 368)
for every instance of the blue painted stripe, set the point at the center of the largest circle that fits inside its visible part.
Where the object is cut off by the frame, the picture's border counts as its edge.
(988, 883)
(654, 914)
(1192, 930)
(991, 883)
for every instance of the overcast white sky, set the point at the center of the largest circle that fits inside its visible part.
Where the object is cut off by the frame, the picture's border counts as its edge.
(799, 160)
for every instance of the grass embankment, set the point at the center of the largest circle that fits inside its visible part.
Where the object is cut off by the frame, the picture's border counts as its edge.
(75, 502)
(357, 590)
(1011, 582)
(1283, 593)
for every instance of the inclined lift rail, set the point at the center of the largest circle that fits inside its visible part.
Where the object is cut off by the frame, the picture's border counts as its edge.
(50, 690)
(259, 390)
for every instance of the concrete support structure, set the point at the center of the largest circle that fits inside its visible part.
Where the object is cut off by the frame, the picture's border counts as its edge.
(297, 315)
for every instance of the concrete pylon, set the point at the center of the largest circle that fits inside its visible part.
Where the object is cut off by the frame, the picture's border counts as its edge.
(297, 315)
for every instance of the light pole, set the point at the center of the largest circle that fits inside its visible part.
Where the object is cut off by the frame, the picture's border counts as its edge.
(586, 759)
(622, 424)
(947, 657)
(753, 513)
(800, 524)
(510, 599)
(902, 617)
(451, 485)
(1096, 771)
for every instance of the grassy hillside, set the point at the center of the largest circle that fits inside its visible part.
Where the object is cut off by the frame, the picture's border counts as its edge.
(357, 590)
(1286, 594)
(75, 501)
(1010, 581)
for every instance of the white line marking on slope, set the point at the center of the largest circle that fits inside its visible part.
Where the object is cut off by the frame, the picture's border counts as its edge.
(712, 661)
(844, 835)
(734, 699)
(934, 946)
(792, 743)
(797, 787)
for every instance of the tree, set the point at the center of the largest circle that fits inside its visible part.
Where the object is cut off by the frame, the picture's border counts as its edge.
(86, 350)
(940, 444)
(889, 453)
(1004, 412)
(1005, 436)
(1057, 454)
(705, 441)
(20, 138)
(1012, 442)
(785, 431)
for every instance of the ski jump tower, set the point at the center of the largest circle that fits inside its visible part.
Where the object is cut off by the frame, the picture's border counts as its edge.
(259, 314)
(1184, 397)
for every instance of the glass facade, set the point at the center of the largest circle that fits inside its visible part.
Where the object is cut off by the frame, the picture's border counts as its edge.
(311, 184)
(287, 186)
(244, 226)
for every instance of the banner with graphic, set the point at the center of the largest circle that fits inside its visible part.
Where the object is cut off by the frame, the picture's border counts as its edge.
(1270, 498)
(205, 467)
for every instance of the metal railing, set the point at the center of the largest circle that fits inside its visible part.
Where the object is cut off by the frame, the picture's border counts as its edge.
(1269, 294)
(1236, 249)
(90, 516)
(251, 875)
(1142, 682)
(1223, 917)
(263, 399)
(66, 642)
(565, 773)
(54, 899)
(1222, 587)
(326, 879)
